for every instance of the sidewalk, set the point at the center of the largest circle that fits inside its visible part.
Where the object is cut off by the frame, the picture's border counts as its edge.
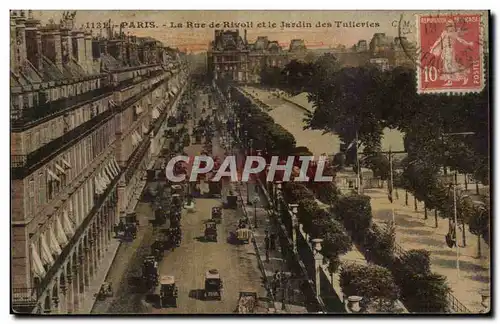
(414, 232)
(294, 301)
(95, 285)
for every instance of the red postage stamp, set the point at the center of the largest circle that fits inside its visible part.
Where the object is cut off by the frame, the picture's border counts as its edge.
(451, 53)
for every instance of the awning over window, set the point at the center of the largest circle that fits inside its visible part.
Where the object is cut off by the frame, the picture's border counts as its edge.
(134, 139)
(114, 166)
(138, 110)
(66, 163)
(60, 236)
(60, 168)
(53, 176)
(105, 178)
(117, 165)
(46, 254)
(155, 113)
(110, 173)
(36, 263)
(98, 186)
(67, 224)
(53, 244)
(137, 137)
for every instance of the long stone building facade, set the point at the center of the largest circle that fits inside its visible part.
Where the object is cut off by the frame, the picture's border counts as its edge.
(87, 118)
(231, 56)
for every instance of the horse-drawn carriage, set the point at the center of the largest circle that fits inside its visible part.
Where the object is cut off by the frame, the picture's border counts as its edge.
(213, 285)
(211, 231)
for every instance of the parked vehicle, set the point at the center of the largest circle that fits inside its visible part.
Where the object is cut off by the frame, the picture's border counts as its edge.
(105, 291)
(213, 285)
(217, 214)
(211, 231)
(168, 291)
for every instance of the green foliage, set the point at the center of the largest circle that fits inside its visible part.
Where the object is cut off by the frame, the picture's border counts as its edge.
(379, 244)
(379, 164)
(355, 212)
(339, 160)
(479, 221)
(422, 290)
(372, 282)
(295, 192)
(327, 193)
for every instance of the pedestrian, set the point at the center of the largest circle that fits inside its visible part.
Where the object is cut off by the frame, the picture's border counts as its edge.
(266, 246)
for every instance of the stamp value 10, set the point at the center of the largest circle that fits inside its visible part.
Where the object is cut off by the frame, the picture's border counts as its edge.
(451, 53)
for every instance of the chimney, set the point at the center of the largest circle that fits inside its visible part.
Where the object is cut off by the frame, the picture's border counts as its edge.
(18, 37)
(78, 47)
(67, 46)
(88, 52)
(34, 43)
(51, 45)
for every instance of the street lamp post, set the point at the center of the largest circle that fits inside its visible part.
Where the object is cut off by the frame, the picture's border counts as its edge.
(255, 201)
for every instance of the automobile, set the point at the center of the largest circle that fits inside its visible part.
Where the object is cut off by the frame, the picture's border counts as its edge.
(217, 214)
(211, 231)
(213, 285)
(105, 291)
(168, 291)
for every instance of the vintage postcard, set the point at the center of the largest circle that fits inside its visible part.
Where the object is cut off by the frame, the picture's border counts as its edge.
(250, 162)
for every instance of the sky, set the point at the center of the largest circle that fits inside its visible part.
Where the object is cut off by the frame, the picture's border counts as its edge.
(197, 39)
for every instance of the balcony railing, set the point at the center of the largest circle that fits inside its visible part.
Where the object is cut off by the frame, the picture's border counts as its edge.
(30, 116)
(22, 165)
(136, 158)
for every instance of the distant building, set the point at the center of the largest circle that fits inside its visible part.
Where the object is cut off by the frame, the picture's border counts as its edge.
(380, 63)
(87, 116)
(232, 56)
(362, 46)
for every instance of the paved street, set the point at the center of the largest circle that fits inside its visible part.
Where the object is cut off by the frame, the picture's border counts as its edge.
(237, 264)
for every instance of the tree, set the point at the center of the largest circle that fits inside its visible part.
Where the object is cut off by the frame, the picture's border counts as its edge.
(479, 223)
(356, 213)
(295, 192)
(339, 160)
(379, 164)
(374, 283)
(347, 102)
(335, 243)
(422, 290)
(327, 193)
(379, 243)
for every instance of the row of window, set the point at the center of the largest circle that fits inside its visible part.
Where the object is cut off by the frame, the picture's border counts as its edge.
(55, 176)
(33, 99)
(43, 134)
